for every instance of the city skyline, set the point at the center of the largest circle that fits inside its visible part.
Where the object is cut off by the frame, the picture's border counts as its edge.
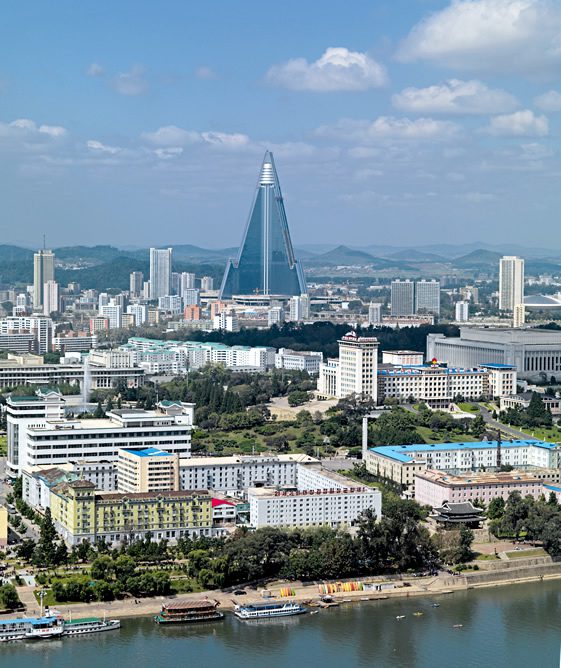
(383, 124)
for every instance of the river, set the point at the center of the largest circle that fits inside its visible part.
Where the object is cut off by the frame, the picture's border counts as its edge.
(511, 626)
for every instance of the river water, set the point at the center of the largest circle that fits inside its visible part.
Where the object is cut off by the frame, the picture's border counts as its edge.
(510, 627)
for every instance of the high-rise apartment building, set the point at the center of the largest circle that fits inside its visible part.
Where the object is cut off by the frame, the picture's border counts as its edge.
(207, 283)
(358, 365)
(427, 297)
(175, 283)
(403, 298)
(43, 271)
(374, 313)
(266, 263)
(187, 281)
(462, 311)
(160, 272)
(191, 297)
(275, 316)
(51, 299)
(299, 308)
(136, 283)
(511, 282)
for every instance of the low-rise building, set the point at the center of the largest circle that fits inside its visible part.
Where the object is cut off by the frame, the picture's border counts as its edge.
(402, 357)
(401, 463)
(523, 399)
(297, 360)
(81, 513)
(433, 488)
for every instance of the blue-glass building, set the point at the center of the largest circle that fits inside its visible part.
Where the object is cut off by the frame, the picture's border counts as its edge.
(265, 264)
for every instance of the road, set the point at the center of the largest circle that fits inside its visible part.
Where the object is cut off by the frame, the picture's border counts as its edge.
(505, 429)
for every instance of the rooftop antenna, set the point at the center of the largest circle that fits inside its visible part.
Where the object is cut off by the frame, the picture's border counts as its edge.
(44, 242)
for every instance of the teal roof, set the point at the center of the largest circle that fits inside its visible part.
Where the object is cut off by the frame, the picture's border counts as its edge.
(405, 453)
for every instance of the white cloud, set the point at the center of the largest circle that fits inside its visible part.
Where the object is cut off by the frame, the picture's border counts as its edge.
(168, 153)
(97, 146)
(95, 70)
(338, 69)
(27, 130)
(550, 101)
(205, 72)
(172, 136)
(387, 128)
(131, 83)
(478, 197)
(455, 97)
(519, 124)
(489, 35)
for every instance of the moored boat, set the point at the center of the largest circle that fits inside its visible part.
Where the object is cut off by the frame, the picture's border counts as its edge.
(269, 610)
(185, 611)
(31, 628)
(77, 627)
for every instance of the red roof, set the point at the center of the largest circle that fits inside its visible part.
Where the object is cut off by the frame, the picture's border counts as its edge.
(221, 502)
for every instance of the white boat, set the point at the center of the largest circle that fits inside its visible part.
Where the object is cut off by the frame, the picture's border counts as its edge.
(268, 610)
(78, 627)
(31, 628)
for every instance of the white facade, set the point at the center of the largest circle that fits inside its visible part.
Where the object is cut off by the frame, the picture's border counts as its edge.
(227, 320)
(40, 436)
(427, 297)
(409, 357)
(358, 365)
(51, 302)
(298, 360)
(511, 282)
(39, 327)
(139, 313)
(299, 308)
(319, 498)
(207, 284)
(275, 316)
(402, 298)
(43, 271)
(160, 272)
(374, 313)
(170, 304)
(114, 314)
(329, 379)
(462, 311)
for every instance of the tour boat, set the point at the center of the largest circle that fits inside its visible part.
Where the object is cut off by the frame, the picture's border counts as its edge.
(268, 610)
(186, 612)
(78, 627)
(31, 628)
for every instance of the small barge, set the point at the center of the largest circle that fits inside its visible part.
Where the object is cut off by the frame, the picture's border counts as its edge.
(186, 612)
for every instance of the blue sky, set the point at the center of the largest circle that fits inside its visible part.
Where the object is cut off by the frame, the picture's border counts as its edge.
(394, 122)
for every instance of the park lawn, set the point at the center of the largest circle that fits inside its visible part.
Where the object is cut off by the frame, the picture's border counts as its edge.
(550, 435)
(526, 554)
(429, 436)
(349, 473)
(246, 441)
(185, 585)
(486, 557)
(468, 407)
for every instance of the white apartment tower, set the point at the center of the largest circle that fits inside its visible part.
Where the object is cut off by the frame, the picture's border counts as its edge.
(43, 271)
(403, 298)
(374, 313)
(427, 297)
(136, 283)
(462, 311)
(299, 308)
(511, 282)
(358, 365)
(160, 272)
(50, 298)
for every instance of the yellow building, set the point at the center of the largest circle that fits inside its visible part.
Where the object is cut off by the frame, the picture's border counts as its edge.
(3, 527)
(81, 513)
(147, 470)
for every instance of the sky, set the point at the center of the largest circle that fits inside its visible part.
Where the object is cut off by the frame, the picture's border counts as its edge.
(401, 122)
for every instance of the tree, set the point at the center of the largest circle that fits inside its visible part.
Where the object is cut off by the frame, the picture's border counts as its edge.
(9, 599)
(101, 567)
(46, 551)
(496, 508)
(99, 412)
(297, 398)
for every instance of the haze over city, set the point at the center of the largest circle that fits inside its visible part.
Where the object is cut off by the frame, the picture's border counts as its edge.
(401, 122)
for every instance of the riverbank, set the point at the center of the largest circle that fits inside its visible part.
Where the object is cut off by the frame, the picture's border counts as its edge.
(305, 593)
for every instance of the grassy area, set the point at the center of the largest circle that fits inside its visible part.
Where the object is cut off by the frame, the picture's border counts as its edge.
(430, 436)
(526, 554)
(468, 408)
(551, 435)
(349, 473)
(3, 446)
(247, 441)
(486, 557)
(185, 585)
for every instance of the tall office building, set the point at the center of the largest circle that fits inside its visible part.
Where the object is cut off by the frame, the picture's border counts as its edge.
(511, 282)
(160, 272)
(427, 297)
(403, 298)
(51, 299)
(265, 264)
(358, 365)
(135, 283)
(43, 271)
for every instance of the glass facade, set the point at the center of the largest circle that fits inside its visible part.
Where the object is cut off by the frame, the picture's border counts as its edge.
(265, 264)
